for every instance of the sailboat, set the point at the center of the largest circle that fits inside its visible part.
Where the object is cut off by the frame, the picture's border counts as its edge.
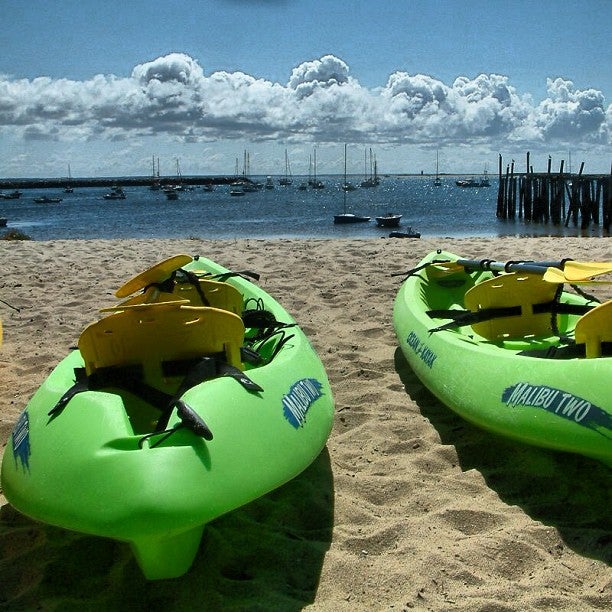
(370, 179)
(155, 184)
(287, 179)
(315, 183)
(248, 186)
(346, 217)
(347, 185)
(437, 182)
(484, 181)
(68, 188)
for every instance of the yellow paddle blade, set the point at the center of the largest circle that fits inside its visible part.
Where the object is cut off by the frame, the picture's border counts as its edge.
(155, 274)
(579, 270)
(554, 275)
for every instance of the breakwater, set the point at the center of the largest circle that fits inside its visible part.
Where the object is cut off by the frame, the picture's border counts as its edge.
(124, 181)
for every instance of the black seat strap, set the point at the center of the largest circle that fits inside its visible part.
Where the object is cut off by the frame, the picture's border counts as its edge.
(130, 378)
(460, 318)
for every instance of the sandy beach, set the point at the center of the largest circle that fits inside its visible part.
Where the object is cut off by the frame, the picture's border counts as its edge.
(408, 508)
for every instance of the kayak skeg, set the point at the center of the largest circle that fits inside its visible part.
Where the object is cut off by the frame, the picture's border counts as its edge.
(511, 352)
(185, 401)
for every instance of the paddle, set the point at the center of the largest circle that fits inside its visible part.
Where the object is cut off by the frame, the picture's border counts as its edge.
(531, 267)
(568, 270)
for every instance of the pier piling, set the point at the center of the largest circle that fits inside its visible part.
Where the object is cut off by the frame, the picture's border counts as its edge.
(558, 198)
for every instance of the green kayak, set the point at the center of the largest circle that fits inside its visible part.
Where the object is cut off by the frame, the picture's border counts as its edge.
(510, 349)
(194, 396)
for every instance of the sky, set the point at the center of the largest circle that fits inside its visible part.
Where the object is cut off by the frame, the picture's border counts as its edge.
(106, 87)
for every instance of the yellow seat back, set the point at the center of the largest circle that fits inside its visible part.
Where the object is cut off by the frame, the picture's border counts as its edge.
(218, 294)
(595, 327)
(507, 290)
(149, 336)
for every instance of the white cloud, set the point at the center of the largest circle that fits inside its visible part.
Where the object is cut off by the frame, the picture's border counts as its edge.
(321, 102)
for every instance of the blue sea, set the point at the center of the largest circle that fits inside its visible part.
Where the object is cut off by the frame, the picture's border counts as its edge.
(282, 212)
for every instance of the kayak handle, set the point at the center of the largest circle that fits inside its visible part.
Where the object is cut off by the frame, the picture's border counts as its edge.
(192, 420)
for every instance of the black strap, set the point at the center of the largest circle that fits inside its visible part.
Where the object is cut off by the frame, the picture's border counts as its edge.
(568, 351)
(192, 279)
(460, 318)
(130, 378)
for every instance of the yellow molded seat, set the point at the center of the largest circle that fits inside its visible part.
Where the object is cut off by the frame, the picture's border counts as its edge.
(218, 294)
(595, 327)
(507, 290)
(149, 336)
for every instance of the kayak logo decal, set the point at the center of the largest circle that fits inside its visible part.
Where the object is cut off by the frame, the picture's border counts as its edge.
(559, 402)
(421, 350)
(301, 396)
(21, 441)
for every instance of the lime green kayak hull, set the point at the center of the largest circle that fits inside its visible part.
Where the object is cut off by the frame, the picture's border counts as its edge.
(562, 404)
(87, 469)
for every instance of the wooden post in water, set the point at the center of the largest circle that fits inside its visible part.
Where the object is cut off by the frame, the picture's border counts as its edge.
(527, 193)
(541, 197)
(501, 212)
(606, 194)
(511, 192)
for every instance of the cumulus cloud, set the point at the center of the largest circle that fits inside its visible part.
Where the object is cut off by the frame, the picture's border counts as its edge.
(175, 67)
(320, 101)
(571, 113)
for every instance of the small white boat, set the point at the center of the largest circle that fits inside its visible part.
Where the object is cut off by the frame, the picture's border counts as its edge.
(236, 189)
(116, 193)
(388, 220)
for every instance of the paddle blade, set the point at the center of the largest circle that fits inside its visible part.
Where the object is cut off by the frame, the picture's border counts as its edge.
(582, 270)
(554, 275)
(155, 274)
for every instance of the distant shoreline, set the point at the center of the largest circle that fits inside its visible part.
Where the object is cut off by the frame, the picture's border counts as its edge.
(144, 181)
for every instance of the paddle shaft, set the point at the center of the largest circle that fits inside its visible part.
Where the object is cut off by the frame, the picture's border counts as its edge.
(531, 267)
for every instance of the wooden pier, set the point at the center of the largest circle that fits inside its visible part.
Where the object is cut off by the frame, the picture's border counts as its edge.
(558, 198)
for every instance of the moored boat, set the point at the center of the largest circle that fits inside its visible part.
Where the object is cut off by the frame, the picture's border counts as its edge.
(11, 195)
(345, 216)
(342, 218)
(194, 396)
(236, 189)
(47, 200)
(116, 193)
(471, 182)
(408, 233)
(511, 353)
(389, 220)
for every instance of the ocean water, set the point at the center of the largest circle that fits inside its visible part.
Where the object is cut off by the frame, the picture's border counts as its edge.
(282, 212)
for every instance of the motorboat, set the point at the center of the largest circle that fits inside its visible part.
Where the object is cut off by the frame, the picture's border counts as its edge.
(388, 220)
(116, 193)
(409, 233)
